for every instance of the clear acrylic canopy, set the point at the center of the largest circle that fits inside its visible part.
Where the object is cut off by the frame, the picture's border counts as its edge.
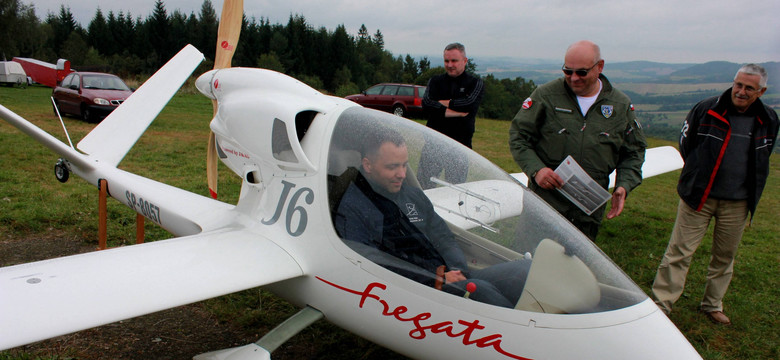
(493, 217)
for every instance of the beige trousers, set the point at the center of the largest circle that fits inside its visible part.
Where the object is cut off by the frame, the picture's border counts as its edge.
(689, 229)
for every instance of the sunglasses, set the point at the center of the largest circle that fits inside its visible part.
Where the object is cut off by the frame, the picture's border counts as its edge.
(579, 72)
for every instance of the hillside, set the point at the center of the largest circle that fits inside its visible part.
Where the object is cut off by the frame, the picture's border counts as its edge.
(662, 93)
(630, 72)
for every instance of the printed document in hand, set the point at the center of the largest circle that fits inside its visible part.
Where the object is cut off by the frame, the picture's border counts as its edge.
(579, 187)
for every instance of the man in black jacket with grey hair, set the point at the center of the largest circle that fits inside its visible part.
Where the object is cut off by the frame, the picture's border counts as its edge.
(726, 143)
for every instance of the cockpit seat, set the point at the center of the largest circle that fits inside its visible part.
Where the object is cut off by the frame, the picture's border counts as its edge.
(342, 170)
(558, 283)
(337, 186)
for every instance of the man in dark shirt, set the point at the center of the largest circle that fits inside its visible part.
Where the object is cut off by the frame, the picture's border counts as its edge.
(382, 211)
(450, 104)
(726, 142)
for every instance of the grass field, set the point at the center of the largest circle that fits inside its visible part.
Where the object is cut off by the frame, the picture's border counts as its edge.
(33, 204)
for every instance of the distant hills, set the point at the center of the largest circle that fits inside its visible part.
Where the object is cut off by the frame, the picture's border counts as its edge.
(541, 71)
(663, 92)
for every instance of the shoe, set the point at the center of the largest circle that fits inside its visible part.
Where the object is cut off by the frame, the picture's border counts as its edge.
(718, 317)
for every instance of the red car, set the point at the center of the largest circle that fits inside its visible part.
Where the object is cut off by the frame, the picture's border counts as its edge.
(399, 99)
(90, 95)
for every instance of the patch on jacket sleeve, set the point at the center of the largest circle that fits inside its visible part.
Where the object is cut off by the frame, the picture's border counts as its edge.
(527, 103)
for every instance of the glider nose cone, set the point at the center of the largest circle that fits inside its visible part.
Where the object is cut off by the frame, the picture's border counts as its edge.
(204, 84)
(637, 332)
(656, 337)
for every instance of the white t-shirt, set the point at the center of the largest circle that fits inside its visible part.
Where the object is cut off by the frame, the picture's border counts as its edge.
(587, 101)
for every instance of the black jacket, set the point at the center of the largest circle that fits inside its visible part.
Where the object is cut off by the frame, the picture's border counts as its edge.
(403, 225)
(465, 94)
(704, 139)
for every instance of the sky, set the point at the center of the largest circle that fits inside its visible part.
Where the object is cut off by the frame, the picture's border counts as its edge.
(670, 31)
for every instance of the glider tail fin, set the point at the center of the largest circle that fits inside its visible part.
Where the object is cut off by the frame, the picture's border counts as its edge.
(110, 141)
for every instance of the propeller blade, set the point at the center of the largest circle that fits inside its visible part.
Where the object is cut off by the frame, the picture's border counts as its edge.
(227, 40)
(228, 32)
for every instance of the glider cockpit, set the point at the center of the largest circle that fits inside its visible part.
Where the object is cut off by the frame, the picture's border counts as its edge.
(494, 219)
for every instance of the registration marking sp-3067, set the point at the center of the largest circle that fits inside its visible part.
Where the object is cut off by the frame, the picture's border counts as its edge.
(146, 208)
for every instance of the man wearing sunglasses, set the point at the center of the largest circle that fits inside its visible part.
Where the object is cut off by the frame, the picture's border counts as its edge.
(726, 142)
(581, 115)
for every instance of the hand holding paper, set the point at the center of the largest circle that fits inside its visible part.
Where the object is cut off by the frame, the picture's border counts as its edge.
(581, 189)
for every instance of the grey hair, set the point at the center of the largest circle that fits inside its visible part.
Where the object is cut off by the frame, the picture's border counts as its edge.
(456, 46)
(754, 69)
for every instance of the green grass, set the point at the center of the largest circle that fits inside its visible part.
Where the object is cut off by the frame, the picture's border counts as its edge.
(172, 150)
(636, 242)
(33, 203)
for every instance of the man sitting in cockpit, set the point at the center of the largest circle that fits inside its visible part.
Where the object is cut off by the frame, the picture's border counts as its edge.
(381, 210)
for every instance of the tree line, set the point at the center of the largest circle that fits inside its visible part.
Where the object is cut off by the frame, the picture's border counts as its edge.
(333, 61)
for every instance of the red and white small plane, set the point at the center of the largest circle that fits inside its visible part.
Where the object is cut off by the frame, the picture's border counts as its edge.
(292, 146)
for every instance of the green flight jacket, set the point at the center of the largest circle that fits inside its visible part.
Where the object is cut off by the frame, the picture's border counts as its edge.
(550, 126)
